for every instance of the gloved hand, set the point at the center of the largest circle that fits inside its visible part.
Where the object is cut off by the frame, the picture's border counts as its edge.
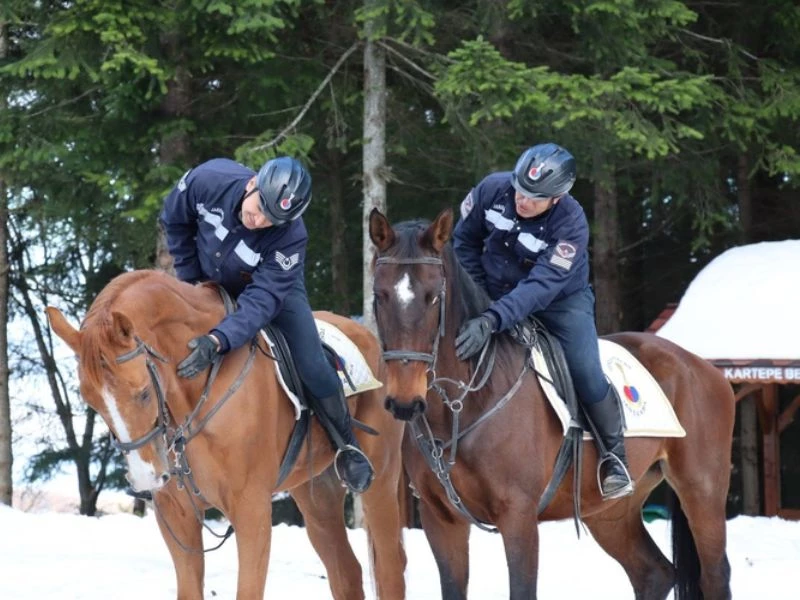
(203, 353)
(473, 336)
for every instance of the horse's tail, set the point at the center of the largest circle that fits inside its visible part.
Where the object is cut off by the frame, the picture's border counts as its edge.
(684, 554)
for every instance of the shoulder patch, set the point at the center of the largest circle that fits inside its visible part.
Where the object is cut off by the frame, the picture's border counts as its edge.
(182, 182)
(564, 254)
(466, 205)
(286, 262)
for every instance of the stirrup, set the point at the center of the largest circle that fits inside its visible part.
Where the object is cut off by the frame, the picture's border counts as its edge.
(625, 490)
(340, 453)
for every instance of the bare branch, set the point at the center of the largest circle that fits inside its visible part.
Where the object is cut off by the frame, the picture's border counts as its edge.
(311, 100)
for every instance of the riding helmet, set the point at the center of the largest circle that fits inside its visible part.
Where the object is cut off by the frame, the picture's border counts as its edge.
(544, 171)
(284, 189)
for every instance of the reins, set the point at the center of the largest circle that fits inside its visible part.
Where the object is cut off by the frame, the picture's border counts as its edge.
(432, 448)
(176, 439)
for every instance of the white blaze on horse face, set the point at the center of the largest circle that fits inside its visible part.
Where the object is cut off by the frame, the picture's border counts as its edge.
(403, 290)
(141, 474)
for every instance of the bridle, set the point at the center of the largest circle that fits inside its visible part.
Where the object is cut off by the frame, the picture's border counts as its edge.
(175, 439)
(161, 427)
(410, 355)
(430, 447)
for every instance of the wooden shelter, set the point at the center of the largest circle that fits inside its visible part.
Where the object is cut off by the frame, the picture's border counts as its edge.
(741, 316)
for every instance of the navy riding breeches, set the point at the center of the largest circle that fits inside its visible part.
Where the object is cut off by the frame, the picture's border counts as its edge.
(571, 320)
(296, 322)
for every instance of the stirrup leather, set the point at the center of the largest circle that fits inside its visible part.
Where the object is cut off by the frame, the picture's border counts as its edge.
(623, 491)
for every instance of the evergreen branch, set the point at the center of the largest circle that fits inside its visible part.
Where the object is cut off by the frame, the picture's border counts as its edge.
(310, 101)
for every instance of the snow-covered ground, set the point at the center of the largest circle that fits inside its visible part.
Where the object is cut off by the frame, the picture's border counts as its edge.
(120, 556)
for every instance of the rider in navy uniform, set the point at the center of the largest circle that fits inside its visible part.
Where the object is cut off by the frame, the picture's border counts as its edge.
(524, 239)
(244, 231)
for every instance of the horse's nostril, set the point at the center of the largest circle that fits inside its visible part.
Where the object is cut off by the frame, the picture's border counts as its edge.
(164, 477)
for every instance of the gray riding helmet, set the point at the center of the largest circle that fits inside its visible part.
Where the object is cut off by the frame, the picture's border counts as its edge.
(284, 188)
(544, 171)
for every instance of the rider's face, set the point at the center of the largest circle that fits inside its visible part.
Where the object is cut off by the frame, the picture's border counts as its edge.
(251, 214)
(530, 207)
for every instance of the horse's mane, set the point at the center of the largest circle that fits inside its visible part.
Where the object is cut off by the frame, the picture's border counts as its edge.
(99, 340)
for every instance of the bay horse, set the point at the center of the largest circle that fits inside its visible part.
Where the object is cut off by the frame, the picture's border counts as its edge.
(494, 442)
(133, 335)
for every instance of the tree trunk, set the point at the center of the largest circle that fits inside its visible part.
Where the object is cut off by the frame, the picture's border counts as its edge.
(374, 153)
(605, 256)
(6, 454)
(745, 198)
(174, 148)
(339, 270)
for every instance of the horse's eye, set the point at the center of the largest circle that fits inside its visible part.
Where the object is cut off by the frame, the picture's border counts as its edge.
(144, 396)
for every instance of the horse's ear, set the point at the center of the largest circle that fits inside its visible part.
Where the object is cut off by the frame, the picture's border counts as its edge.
(380, 230)
(123, 326)
(63, 329)
(441, 229)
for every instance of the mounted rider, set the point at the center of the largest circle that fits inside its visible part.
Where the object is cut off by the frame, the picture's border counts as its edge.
(244, 230)
(525, 239)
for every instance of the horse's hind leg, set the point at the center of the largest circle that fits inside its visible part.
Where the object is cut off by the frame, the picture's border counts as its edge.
(620, 531)
(701, 536)
(321, 501)
(182, 532)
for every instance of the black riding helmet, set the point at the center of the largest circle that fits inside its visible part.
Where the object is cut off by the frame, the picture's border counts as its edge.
(544, 171)
(284, 188)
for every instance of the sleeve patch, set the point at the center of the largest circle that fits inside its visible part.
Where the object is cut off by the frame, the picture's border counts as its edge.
(466, 205)
(182, 182)
(564, 254)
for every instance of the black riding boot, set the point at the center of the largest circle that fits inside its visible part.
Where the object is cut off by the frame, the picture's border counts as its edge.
(612, 470)
(352, 465)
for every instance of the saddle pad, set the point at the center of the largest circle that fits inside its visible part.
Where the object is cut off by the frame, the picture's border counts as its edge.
(647, 411)
(354, 362)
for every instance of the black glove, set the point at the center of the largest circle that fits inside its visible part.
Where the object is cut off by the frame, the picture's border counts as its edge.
(203, 353)
(473, 336)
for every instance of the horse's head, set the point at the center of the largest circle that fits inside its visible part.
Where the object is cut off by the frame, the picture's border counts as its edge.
(122, 374)
(409, 287)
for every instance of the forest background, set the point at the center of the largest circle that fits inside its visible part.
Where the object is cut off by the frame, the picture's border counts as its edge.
(683, 117)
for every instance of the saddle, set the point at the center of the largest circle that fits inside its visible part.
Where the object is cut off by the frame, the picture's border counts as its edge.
(289, 377)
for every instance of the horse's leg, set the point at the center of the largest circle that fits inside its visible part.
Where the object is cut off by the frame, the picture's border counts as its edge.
(321, 501)
(251, 518)
(448, 537)
(702, 501)
(519, 528)
(182, 532)
(620, 531)
(384, 531)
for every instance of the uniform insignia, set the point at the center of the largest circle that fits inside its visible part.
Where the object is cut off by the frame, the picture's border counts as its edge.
(535, 172)
(182, 182)
(466, 206)
(286, 203)
(563, 254)
(286, 262)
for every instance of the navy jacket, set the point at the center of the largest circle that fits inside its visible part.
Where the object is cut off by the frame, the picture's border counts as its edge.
(524, 264)
(209, 242)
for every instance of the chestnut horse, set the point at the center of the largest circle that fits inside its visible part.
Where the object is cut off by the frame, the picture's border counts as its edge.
(231, 448)
(494, 440)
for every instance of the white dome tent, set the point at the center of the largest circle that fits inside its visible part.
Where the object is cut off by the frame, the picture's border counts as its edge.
(741, 314)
